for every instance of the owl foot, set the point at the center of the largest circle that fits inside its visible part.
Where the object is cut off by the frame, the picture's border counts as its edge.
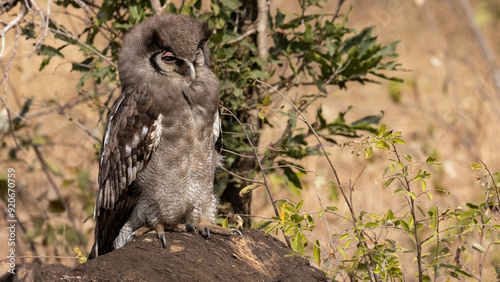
(138, 232)
(160, 229)
(205, 231)
(190, 227)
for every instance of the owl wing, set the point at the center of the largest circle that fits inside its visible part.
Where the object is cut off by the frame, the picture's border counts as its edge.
(217, 131)
(132, 135)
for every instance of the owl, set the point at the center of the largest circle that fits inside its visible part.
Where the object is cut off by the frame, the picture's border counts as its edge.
(162, 140)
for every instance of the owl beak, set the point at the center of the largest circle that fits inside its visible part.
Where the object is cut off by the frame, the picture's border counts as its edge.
(192, 72)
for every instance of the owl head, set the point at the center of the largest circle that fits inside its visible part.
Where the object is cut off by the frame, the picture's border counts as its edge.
(160, 47)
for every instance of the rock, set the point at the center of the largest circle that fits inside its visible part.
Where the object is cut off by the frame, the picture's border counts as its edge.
(35, 272)
(190, 257)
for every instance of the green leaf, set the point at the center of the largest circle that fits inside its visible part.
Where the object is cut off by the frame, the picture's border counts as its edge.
(382, 129)
(267, 100)
(292, 177)
(478, 248)
(344, 236)
(298, 245)
(45, 62)
(434, 218)
(412, 195)
(249, 188)
(348, 243)
(424, 185)
(397, 141)
(472, 206)
(54, 169)
(476, 166)
(371, 225)
(404, 224)
(83, 66)
(332, 208)
(389, 181)
(49, 51)
(317, 252)
(56, 206)
(342, 252)
(368, 153)
(408, 158)
(382, 145)
(432, 161)
(261, 225)
(398, 191)
(231, 4)
(390, 215)
(262, 115)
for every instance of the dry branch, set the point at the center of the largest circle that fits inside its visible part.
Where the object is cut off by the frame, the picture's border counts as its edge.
(261, 21)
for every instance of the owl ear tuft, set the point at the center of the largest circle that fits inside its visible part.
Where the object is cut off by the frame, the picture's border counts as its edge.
(206, 32)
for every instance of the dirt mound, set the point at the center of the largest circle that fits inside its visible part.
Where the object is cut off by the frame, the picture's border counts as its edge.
(189, 257)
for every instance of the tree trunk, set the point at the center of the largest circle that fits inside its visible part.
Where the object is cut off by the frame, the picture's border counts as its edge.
(249, 14)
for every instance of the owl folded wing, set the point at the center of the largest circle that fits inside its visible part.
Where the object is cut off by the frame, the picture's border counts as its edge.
(131, 137)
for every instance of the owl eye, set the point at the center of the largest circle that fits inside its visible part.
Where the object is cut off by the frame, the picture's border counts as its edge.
(168, 57)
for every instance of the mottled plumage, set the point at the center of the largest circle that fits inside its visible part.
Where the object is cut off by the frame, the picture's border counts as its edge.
(159, 150)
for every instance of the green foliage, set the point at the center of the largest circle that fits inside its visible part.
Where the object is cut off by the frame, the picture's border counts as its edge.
(318, 52)
(293, 223)
(306, 49)
(442, 240)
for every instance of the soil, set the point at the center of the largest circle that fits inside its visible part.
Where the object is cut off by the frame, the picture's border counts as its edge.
(188, 257)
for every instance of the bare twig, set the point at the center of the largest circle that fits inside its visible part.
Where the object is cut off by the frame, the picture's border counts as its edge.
(289, 166)
(22, 12)
(58, 193)
(261, 23)
(7, 5)
(62, 113)
(251, 30)
(494, 183)
(328, 230)
(156, 7)
(62, 31)
(241, 177)
(264, 176)
(339, 5)
(337, 179)
(237, 154)
(486, 52)
(411, 203)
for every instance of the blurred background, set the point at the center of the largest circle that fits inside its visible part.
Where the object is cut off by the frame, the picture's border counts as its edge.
(448, 107)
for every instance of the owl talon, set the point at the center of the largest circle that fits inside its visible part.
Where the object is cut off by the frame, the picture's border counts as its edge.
(131, 237)
(207, 231)
(163, 240)
(160, 229)
(237, 231)
(190, 227)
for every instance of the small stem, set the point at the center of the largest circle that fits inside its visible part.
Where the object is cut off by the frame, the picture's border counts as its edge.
(366, 257)
(241, 177)
(58, 193)
(414, 216)
(265, 183)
